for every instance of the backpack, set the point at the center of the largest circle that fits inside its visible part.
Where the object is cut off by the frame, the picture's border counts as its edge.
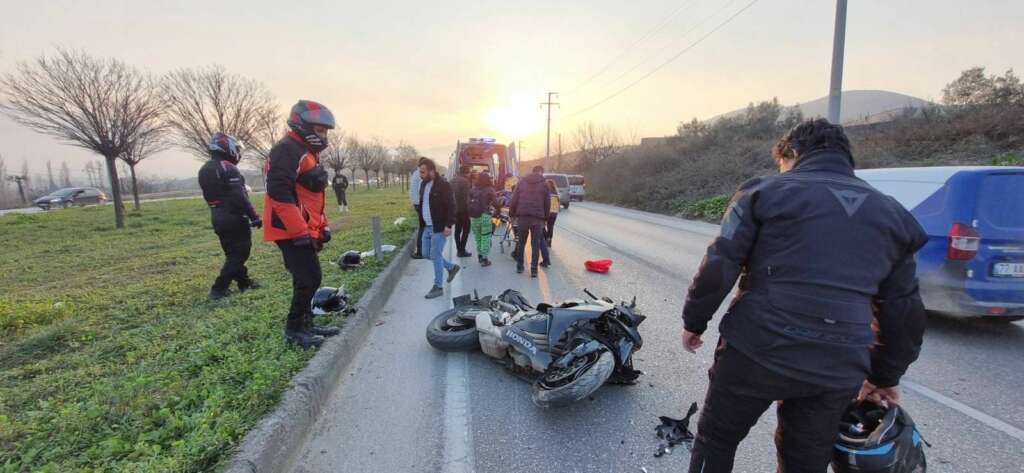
(478, 202)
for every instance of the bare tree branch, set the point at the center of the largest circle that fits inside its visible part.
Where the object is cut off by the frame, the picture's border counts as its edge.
(201, 102)
(97, 104)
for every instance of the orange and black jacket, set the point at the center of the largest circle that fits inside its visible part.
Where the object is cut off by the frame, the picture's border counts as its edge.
(294, 202)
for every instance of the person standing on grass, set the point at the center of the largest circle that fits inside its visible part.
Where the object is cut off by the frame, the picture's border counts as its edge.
(460, 188)
(816, 251)
(556, 204)
(340, 185)
(531, 204)
(483, 203)
(231, 213)
(294, 209)
(437, 211)
(415, 181)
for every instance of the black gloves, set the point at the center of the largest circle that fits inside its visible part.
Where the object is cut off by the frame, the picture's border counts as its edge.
(256, 222)
(325, 236)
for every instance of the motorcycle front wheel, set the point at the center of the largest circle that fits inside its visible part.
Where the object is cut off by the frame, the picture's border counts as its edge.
(449, 332)
(574, 383)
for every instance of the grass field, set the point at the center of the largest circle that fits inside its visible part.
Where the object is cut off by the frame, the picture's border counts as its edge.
(111, 357)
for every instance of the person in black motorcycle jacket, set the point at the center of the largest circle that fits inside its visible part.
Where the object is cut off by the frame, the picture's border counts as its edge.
(231, 212)
(820, 255)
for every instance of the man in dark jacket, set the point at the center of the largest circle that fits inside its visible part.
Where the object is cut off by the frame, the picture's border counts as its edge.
(340, 185)
(460, 188)
(530, 206)
(815, 249)
(483, 203)
(437, 211)
(230, 211)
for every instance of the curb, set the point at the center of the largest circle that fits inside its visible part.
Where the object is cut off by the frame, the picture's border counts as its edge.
(270, 445)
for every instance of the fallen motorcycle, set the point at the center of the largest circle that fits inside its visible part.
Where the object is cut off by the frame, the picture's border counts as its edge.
(568, 350)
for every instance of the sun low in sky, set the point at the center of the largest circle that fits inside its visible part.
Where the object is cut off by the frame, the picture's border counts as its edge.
(433, 73)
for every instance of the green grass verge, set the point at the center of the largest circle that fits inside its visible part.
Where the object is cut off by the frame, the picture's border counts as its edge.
(112, 359)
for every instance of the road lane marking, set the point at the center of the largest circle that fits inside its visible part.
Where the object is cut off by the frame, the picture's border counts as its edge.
(965, 410)
(458, 437)
(574, 232)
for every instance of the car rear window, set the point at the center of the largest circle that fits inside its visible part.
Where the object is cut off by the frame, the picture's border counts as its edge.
(1000, 202)
(576, 180)
(560, 181)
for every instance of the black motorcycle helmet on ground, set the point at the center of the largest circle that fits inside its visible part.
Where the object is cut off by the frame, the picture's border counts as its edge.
(877, 439)
(329, 300)
(226, 147)
(304, 116)
(351, 259)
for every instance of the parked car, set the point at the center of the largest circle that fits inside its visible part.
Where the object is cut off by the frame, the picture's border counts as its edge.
(973, 263)
(577, 188)
(71, 196)
(562, 184)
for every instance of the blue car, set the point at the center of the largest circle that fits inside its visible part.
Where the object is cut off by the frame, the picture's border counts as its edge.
(973, 263)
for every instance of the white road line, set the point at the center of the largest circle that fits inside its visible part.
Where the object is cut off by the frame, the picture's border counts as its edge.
(458, 437)
(965, 410)
(598, 242)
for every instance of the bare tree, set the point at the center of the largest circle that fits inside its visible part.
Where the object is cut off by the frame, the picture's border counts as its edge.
(65, 174)
(377, 153)
(201, 102)
(336, 155)
(352, 149)
(406, 157)
(3, 181)
(362, 157)
(270, 127)
(96, 104)
(595, 144)
(49, 174)
(148, 142)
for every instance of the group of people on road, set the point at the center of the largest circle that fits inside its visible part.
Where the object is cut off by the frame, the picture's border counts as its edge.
(294, 212)
(470, 204)
(827, 310)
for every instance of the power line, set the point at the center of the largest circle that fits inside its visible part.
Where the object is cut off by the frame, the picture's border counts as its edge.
(667, 62)
(632, 45)
(641, 62)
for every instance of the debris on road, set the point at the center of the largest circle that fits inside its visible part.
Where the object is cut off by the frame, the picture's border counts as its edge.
(675, 432)
(399, 221)
(598, 266)
(383, 249)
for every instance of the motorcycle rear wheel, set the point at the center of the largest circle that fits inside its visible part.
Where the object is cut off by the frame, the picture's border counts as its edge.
(449, 332)
(565, 387)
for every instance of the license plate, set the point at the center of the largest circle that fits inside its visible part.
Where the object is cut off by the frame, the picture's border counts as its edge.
(1012, 270)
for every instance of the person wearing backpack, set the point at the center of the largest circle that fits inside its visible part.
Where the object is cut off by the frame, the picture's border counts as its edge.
(483, 202)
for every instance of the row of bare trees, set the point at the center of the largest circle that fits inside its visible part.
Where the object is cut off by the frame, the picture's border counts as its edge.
(371, 156)
(127, 115)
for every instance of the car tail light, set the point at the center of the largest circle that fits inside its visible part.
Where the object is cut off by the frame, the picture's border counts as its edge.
(964, 241)
(997, 311)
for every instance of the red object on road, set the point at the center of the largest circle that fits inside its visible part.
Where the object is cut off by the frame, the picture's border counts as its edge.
(598, 266)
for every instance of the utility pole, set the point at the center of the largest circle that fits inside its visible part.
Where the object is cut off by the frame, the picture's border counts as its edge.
(835, 95)
(548, 104)
(558, 162)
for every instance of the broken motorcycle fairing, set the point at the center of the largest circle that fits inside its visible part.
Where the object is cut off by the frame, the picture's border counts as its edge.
(569, 350)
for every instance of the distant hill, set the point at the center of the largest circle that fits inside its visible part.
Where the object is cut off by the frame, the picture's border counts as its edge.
(859, 106)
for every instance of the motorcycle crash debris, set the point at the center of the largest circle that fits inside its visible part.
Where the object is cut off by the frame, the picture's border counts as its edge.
(674, 432)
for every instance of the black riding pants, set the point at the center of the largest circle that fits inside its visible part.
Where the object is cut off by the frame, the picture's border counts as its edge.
(304, 265)
(741, 390)
(236, 241)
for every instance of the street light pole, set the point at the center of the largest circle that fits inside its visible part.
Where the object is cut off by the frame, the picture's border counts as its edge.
(835, 96)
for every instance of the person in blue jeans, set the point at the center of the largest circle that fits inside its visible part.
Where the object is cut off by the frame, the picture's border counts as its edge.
(437, 211)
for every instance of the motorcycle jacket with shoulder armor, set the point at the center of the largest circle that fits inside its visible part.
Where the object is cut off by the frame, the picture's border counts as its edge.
(224, 188)
(294, 202)
(821, 254)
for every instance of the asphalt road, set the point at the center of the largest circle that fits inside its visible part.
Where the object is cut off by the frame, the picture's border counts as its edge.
(404, 406)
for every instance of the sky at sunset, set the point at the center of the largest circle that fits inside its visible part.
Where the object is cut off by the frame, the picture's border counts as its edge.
(431, 73)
